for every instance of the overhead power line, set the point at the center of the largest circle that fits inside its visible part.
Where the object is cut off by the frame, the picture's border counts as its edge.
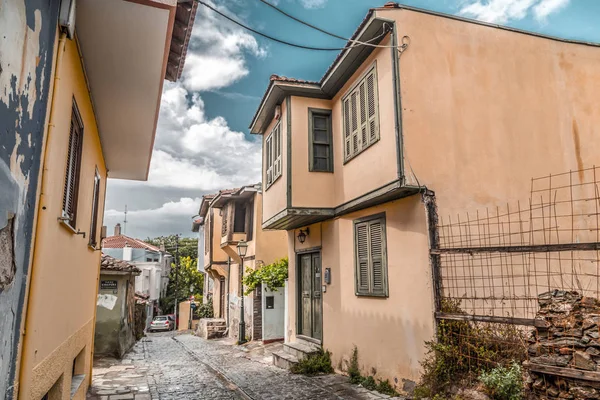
(356, 42)
(300, 46)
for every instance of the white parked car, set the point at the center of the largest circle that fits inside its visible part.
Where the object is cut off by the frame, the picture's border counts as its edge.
(162, 323)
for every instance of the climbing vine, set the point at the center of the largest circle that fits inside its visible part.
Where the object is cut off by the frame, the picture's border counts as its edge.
(272, 275)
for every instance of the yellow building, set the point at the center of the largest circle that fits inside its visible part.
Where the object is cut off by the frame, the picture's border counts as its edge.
(110, 59)
(226, 219)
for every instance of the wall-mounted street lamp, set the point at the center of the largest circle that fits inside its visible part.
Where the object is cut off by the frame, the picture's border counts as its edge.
(303, 234)
(242, 248)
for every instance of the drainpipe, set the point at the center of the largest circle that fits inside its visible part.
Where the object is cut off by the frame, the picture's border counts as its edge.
(228, 289)
(397, 105)
(44, 183)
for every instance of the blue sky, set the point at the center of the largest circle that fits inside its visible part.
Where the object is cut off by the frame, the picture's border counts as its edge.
(202, 142)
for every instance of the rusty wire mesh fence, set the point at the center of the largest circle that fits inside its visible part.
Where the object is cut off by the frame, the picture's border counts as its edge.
(494, 266)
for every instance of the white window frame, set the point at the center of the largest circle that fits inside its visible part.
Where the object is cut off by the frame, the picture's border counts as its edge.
(360, 134)
(273, 157)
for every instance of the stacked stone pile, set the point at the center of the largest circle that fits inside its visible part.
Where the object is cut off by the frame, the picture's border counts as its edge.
(567, 336)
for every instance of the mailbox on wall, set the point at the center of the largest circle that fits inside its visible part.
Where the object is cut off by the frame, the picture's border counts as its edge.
(328, 276)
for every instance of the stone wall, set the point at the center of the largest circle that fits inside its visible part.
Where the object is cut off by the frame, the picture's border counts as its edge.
(565, 345)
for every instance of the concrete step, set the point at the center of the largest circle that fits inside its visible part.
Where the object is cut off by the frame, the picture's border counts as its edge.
(301, 348)
(211, 328)
(284, 360)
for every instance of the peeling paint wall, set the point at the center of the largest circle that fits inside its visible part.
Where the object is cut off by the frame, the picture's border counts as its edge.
(27, 34)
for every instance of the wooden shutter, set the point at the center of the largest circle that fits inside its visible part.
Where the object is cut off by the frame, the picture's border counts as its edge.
(372, 112)
(224, 220)
(376, 257)
(71, 188)
(269, 160)
(277, 144)
(371, 258)
(363, 140)
(207, 233)
(360, 112)
(95, 205)
(347, 133)
(362, 257)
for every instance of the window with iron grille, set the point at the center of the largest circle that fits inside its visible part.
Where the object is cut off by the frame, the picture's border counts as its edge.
(95, 205)
(71, 188)
(370, 251)
(360, 110)
(273, 155)
(320, 140)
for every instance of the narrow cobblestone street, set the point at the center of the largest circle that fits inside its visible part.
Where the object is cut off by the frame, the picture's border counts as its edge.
(170, 366)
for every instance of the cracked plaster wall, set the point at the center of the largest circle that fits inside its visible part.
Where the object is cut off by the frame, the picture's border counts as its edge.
(27, 36)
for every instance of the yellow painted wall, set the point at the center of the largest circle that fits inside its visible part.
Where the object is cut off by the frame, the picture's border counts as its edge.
(64, 281)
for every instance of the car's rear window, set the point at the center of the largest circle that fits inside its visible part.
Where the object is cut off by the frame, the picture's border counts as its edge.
(160, 318)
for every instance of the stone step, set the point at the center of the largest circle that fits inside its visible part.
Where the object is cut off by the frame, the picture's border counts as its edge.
(284, 360)
(301, 348)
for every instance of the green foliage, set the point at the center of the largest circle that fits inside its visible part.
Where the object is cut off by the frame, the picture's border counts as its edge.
(205, 310)
(367, 382)
(353, 369)
(188, 247)
(313, 364)
(463, 350)
(185, 280)
(272, 275)
(504, 383)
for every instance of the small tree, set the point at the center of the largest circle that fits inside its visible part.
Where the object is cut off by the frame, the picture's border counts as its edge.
(184, 281)
(272, 275)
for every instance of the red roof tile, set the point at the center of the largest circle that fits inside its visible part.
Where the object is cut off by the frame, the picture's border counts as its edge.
(109, 263)
(120, 241)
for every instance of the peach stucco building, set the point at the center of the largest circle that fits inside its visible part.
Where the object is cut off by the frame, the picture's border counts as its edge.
(444, 114)
(110, 61)
(226, 218)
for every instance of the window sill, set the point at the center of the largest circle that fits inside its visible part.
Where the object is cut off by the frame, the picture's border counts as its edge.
(76, 383)
(67, 226)
(327, 172)
(379, 296)
(352, 157)
(272, 183)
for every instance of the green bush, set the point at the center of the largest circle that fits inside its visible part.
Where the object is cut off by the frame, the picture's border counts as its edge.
(463, 350)
(313, 364)
(503, 383)
(204, 310)
(272, 275)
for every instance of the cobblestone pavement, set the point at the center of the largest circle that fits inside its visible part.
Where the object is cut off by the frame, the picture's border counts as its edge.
(185, 367)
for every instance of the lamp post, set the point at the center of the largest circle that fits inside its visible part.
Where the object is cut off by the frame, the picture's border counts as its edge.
(242, 248)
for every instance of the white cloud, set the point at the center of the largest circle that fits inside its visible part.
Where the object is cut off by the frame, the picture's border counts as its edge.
(313, 3)
(502, 11)
(217, 49)
(547, 7)
(194, 152)
(171, 217)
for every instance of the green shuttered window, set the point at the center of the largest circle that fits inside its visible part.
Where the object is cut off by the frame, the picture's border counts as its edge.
(360, 110)
(370, 250)
(320, 140)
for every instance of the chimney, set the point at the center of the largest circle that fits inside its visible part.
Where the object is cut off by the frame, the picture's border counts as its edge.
(127, 253)
(118, 230)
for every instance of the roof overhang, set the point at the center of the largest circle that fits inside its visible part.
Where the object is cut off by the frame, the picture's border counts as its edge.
(244, 193)
(293, 218)
(126, 47)
(372, 30)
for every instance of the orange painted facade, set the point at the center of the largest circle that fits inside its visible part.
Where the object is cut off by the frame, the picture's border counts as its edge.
(478, 111)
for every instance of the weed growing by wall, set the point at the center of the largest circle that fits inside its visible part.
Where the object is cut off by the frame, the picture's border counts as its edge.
(313, 364)
(368, 382)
